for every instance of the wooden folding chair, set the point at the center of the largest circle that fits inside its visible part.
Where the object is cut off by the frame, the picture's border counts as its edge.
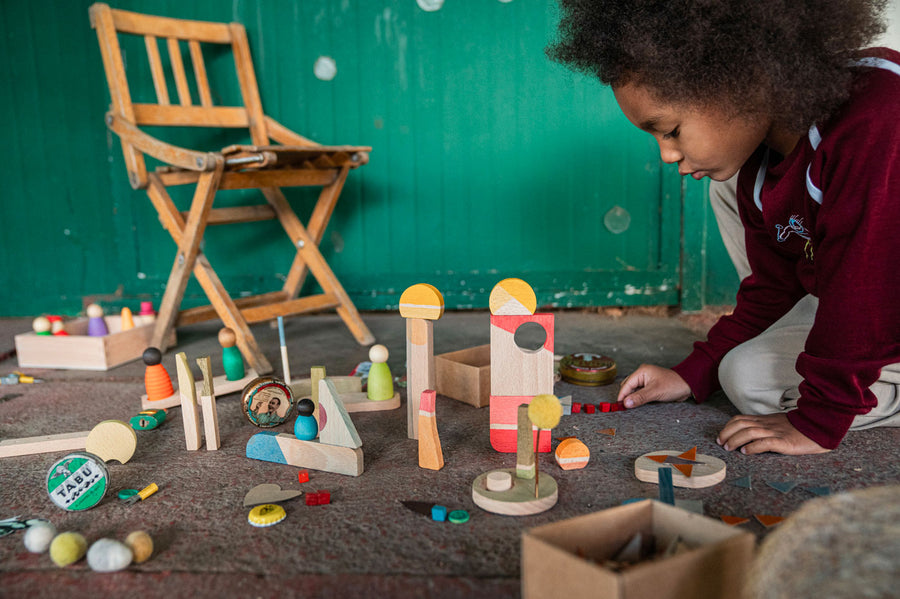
(298, 162)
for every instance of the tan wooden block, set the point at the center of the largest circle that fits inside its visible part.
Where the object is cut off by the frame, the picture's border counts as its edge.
(190, 411)
(43, 444)
(359, 402)
(517, 371)
(465, 375)
(208, 405)
(431, 455)
(525, 467)
(112, 440)
(338, 428)
(221, 386)
(419, 369)
(285, 448)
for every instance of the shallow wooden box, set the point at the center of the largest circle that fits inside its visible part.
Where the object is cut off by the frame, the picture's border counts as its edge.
(465, 375)
(552, 566)
(78, 351)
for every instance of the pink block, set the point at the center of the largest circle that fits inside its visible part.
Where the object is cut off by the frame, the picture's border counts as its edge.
(504, 415)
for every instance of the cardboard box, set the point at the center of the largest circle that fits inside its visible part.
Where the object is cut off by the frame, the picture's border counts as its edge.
(465, 375)
(78, 351)
(551, 566)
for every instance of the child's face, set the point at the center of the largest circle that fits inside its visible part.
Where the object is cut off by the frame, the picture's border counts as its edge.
(703, 142)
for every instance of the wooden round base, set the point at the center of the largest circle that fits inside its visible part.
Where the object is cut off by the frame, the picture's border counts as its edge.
(708, 472)
(518, 500)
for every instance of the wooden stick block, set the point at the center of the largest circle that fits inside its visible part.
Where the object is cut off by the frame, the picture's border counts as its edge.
(524, 444)
(431, 456)
(190, 412)
(316, 374)
(708, 472)
(519, 371)
(419, 368)
(43, 444)
(359, 402)
(518, 500)
(112, 440)
(337, 427)
(344, 384)
(208, 405)
(221, 385)
(285, 448)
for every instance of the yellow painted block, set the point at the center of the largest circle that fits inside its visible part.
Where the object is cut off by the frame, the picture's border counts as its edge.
(512, 297)
(422, 301)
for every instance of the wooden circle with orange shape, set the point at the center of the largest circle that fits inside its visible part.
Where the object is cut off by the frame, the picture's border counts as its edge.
(422, 301)
(512, 297)
(708, 472)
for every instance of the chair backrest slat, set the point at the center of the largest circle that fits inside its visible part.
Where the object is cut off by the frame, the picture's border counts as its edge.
(181, 84)
(200, 73)
(156, 69)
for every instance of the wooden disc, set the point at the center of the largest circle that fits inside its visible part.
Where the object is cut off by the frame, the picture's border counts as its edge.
(512, 297)
(710, 471)
(519, 500)
(112, 440)
(422, 301)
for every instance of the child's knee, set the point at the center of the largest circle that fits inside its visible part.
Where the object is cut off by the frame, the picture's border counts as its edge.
(739, 377)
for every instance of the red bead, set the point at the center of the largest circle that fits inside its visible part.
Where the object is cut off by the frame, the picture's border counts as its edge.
(576, 408)
(590, 408)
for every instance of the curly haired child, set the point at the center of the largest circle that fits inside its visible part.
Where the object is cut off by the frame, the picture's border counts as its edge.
(781, 93)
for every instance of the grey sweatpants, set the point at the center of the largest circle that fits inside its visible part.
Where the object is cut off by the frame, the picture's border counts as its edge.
(759, 376)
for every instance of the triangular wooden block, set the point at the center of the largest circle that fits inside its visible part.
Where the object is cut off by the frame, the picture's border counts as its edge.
(782, 487)
(685, 469)
(608, 431)
(338, 429)
(744, 482)
(768, 521)
(820, 491)
(658, 458)
(734, 520)
(690, 454)
(190, 410)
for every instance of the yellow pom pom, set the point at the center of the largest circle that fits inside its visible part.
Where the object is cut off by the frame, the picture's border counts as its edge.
(545, 411)
(67, 548)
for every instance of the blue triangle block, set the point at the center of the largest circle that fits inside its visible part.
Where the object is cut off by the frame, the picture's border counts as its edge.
(820, 491)
(743, 482)
(783, 487)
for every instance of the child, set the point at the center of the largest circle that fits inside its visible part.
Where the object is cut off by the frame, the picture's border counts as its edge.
(780, 93)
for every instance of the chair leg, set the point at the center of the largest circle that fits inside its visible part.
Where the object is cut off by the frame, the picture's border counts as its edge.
(308, 252)
(188, 249)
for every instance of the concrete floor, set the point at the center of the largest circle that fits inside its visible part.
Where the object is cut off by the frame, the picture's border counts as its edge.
(366, 543)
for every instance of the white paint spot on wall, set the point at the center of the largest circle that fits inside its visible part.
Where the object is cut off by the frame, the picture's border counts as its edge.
(325, 68)
(505, 1)
(142, 275)
(430, 5)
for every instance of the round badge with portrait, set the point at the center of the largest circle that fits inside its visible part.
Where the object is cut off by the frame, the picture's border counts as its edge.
(267, 401)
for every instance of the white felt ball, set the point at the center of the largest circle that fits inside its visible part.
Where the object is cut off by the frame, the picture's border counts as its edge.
(109, 555)
(38, 537)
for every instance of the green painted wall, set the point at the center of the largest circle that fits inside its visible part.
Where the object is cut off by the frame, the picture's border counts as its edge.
(489, 161)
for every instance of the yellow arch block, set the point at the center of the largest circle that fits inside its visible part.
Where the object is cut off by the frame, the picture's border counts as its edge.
(422, 301)
(513, 297)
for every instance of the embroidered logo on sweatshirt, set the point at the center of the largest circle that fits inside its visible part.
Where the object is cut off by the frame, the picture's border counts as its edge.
(795, 225)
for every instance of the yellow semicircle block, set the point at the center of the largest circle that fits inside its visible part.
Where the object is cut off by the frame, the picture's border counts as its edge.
(422, 301)
(513, 297)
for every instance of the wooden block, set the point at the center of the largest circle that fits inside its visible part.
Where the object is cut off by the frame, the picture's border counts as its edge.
(359, 401)
(431, 455)
(221, 386)
(422, 301)
(709, 471)
(335, 426)
(303, 387)
(316, 374)
(78, 351)
(572, 454)
(112, 440)
(285, 448)
(419, 369)
(524, 444)
(190, 412)
(505, 424)
(43, 444)
(512, 297)
(465, 375)
(208, 405)
(518, 371)
(518, 500)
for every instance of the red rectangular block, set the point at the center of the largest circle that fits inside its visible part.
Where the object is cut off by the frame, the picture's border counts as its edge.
(576, 408)
(590, 408)
(604, 407)
(303, 476)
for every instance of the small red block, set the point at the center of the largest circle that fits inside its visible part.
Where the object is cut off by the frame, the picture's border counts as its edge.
(590, 408)
(576, 407)
(303, 476)
(312, 499)
(618, 407)
(604, 407)
(324, 497)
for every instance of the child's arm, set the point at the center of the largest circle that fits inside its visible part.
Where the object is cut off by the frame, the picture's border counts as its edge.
(652, 383)
(772, 432)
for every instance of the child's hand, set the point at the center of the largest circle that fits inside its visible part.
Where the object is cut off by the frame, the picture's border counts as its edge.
(652, 383)
(772, 432)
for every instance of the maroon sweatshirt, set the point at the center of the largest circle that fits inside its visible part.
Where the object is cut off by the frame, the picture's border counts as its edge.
(824, 220)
